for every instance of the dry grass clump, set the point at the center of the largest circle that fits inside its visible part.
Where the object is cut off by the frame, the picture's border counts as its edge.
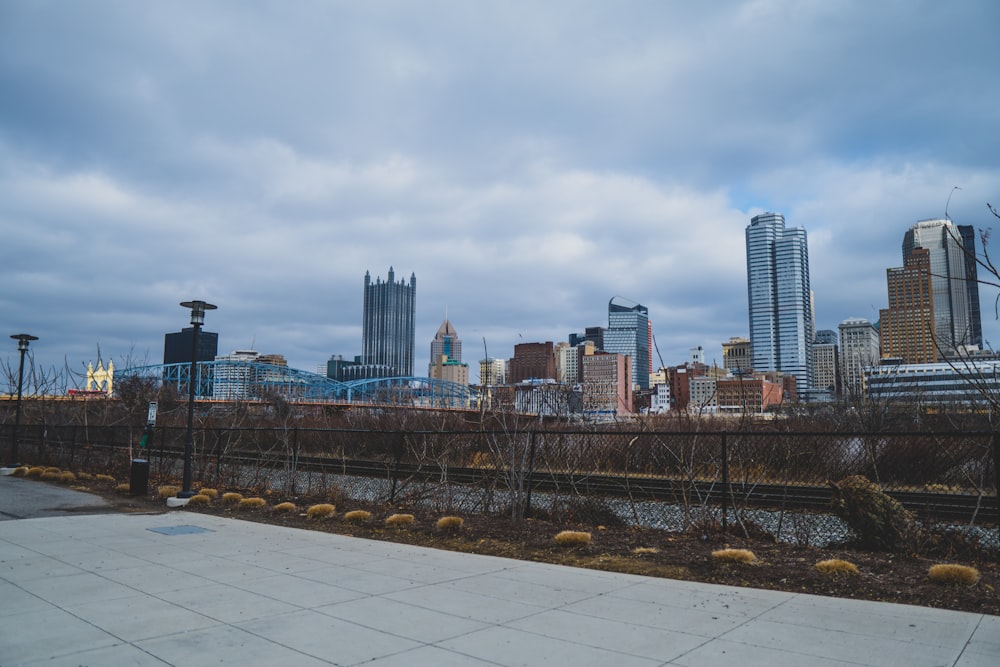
(199, 499)
(399, 520)
(450, 523)
(358, 516)
(643, 551)
(123, 488)
(84, 475)
(211, 493)
(21, 471)
(167, 491)
(321, 511)
(572, 538)
(251, 503)
(66, 477)
(104, 478)
(35, 471)
(836, 566)
(734, 555)
(50, 476)
(953, 574)
(53, 469)
(232, 498)
(285, 507)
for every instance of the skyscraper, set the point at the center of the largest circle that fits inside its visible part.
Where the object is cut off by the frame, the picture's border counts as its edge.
(387, 336)
(906, 327)
(446, 342)
(780, 302)
(628, 333)
(859, 351)
(446, 356)
(953, 324)
(968, 234)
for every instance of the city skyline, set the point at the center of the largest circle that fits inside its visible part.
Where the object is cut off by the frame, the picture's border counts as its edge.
(527, 161)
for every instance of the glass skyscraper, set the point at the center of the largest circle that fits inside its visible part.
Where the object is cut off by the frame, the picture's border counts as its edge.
(628, 333)
(387, 332)
(780, 300)
(953, 280)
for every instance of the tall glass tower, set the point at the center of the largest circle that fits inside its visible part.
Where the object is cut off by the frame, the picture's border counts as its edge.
(628, 333)
(781, 324)
(954, 322)
(387, 332)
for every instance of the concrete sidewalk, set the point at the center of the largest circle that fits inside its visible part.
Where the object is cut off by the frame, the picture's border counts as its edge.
(181, 588)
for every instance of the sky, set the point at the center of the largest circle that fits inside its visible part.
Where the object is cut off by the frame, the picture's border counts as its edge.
(527, 161)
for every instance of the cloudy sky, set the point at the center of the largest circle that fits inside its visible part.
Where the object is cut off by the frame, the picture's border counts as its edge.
(526, 160)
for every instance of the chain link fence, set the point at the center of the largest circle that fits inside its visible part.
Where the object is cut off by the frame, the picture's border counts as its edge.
(673, 480)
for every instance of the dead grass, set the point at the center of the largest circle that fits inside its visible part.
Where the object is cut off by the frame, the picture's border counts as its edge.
(167, 491)
(251, 503)
(321, 511)
(21, 471)
(836, 566)
(734, 556)
(285, 507)
(399, 520)
(67, 477)
(199, 499)
(947, 573)
(50, 476)
(35, 471)
(358, 516)
(123, 488)
(232, 498)
(645, 551)
(572, 538)
(211, 493)
(450, 523)
(104, 478)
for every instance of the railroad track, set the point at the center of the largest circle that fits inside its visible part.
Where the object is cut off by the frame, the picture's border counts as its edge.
(931, 506)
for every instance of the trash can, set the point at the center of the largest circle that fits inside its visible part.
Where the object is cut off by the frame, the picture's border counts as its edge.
(139, 477)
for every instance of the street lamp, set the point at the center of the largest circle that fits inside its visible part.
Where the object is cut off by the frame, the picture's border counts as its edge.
(198, 309)
(22, 347)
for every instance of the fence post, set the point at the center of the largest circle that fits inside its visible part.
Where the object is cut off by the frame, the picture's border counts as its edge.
(996, 481)
(531, 473)
(725, 482)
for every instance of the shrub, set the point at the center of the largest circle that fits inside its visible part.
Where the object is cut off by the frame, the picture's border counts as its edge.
(399, 520)
(572, 538)
(232, 498)
(285, 507)
(36, 471)
(953, 574)
(836, 566)
(879, 521)
(251, 503)
(321, 511)
(104, 478)
(734, 555)
(358, 516)
(123, 488)
(167, 491)
(451, 523)
(211, 493)
(199, 499)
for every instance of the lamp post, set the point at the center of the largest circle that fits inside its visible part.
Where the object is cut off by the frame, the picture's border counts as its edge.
(22, 347)
(198, 309)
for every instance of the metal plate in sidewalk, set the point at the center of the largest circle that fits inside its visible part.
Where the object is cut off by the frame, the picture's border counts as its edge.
(180, 530)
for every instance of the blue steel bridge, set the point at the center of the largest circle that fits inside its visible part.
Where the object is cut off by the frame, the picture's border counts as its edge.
(252, 381)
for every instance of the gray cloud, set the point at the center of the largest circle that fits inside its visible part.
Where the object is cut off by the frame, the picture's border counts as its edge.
(526, 161)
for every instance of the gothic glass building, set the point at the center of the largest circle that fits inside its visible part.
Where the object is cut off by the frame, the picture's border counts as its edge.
(387, 331)
(780, 300)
